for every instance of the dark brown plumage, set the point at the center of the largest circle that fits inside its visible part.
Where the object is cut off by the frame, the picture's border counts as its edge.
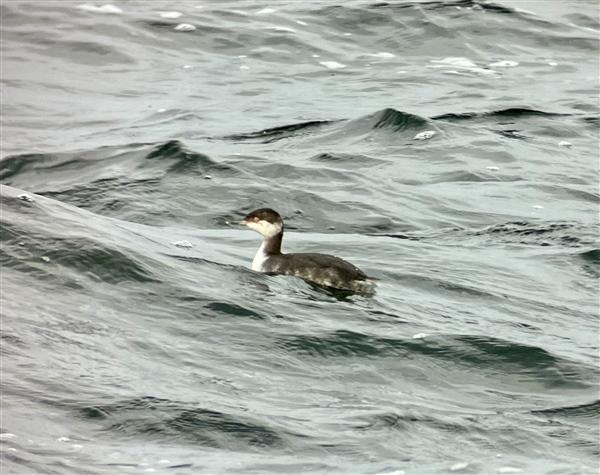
(321, 269)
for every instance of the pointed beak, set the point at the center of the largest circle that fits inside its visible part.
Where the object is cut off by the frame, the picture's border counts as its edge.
(243, 222)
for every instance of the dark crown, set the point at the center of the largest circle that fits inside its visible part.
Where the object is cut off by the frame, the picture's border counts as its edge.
(264, 214)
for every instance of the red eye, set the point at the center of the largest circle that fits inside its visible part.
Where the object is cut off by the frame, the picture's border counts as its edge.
(255, 219)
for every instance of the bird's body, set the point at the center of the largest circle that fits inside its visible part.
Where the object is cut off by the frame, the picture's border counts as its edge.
(321, 269)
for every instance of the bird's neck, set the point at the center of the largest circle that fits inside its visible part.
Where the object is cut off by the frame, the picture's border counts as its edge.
(271, 246)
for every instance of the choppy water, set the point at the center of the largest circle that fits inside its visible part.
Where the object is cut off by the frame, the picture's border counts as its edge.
(134, 337)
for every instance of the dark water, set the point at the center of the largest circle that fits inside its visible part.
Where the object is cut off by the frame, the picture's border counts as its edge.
(136, 340)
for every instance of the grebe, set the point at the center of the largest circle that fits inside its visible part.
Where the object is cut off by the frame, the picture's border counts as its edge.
(321, 269)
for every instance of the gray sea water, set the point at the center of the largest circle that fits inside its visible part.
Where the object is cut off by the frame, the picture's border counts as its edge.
(448, 148)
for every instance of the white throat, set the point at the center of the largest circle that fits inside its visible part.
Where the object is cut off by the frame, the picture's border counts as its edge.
(258, 264)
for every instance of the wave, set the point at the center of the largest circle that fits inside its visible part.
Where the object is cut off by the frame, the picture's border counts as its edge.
(116, 181)
(538, 234)
(183, 160)
(279, 133)
(585, 411)
(510, 113)
(165, 420)
(591, 262)
(84, 256)
(435, 5)
(591, 256)
(106, 163)
(483, 352)
(528, 233)
(387, 120)
(75, 245)
(173, 150)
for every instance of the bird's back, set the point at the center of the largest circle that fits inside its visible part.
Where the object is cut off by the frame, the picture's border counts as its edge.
(322, 269)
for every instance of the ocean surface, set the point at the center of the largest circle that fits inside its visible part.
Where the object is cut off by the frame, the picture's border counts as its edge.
(448, 148)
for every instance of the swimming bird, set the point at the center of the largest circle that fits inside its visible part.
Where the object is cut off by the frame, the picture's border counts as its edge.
(320, 269)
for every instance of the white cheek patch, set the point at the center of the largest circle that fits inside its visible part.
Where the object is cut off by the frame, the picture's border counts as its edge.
(265, 228)
(252, 225)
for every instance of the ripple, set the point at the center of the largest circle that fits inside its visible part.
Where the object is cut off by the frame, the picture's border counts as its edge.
(154, 418)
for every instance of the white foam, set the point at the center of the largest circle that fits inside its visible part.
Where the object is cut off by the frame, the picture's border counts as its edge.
(26, 197)
(300, 22)
(504, 64)
(509, 470)
(7, 435)
(564, 143)
(460, 63)
(493, 168)
(424, 135)
(45, 258)
(171, 15)
(184, 244)
(383, 54)
(455, 62)
(244, 67)
(537, 207)
(265, 11)
(184, 27)
(269, 49)
(108, 8)
(283, 29)
(484, 71)
(332, 64)
(63, 439)
(420, 336)
(527, 12)
(458, 466)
